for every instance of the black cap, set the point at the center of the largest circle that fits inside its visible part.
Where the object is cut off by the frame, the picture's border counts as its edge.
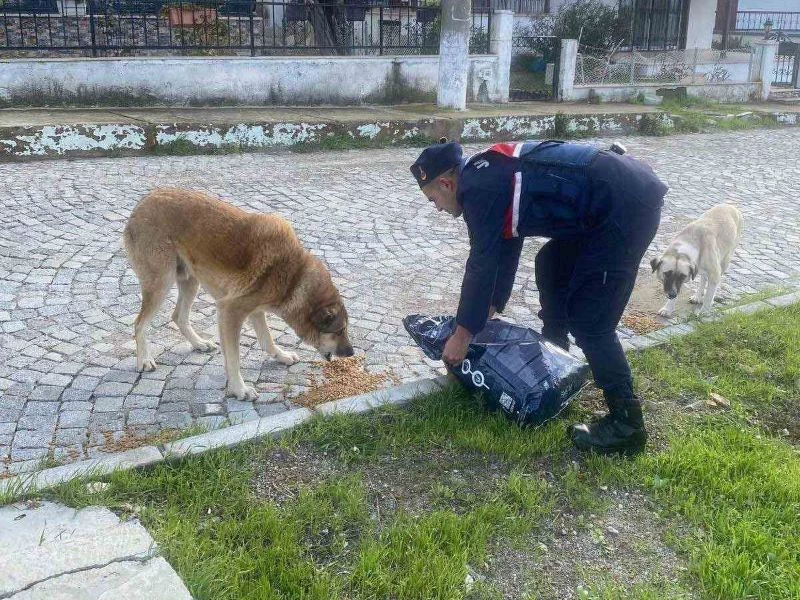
(435, 160)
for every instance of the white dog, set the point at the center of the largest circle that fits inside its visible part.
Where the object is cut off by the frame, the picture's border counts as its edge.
(705, 246)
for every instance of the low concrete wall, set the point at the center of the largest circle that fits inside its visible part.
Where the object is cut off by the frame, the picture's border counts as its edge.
(115, 139)
(721, 92)
(204, 81)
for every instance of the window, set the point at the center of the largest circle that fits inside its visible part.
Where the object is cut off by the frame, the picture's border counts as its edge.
(28, 6)
(656, 24)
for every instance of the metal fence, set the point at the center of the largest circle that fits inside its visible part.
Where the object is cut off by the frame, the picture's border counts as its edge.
(754, 20)
(534, 66)
(787, 65)
(598, 67)
(225, 27)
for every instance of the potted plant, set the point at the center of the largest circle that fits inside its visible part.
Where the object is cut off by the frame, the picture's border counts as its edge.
(191, 15)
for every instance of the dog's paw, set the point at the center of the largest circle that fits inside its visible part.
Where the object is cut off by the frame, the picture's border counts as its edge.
(205, 345)
(245, 392)
(664, 312)
(147, 364)
(286, 358)
(696, 299)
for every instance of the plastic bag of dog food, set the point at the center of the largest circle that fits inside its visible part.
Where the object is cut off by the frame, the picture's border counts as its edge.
(529, 379)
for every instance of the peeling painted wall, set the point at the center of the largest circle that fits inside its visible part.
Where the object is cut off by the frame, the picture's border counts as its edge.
(58, 140)
(103, 140)
(201, 81)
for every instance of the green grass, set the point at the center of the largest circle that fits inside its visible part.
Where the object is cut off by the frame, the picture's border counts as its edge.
(728, 487)
(523, 79)
(182, 146)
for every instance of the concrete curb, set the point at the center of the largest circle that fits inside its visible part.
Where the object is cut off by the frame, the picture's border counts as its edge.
(226, 437)
(276, 425)
(142, 138)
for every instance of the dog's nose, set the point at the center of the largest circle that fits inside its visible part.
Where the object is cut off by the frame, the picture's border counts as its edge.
(672, 295)
(348, 351)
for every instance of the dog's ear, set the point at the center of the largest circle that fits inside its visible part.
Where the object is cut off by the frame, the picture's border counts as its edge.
(327, 318)
(655, 263)
(692, 271)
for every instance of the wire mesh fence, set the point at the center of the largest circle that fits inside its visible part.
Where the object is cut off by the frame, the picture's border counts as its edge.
(597, 66)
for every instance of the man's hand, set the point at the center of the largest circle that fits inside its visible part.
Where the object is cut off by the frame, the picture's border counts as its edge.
(456, 347)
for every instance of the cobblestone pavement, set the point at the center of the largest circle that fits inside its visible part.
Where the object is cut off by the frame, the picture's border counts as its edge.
(68, 300)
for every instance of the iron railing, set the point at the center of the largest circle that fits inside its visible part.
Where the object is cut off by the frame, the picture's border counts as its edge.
(225, 27)
(754, 20)
(787, 65)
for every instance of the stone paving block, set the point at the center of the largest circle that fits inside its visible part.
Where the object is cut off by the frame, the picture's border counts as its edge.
(148, 387)
(55, 379)
(46, 392)
(112, 388)
(141, 402)
(141, 416)
(108, 404)
(75, 395)
(33, 439)
(40, 408)
(74, 418)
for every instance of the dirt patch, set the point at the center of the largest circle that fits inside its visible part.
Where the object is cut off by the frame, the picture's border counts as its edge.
(130, 440)
(782, 419)
(411, 483)
(623, 547)
(341, 378)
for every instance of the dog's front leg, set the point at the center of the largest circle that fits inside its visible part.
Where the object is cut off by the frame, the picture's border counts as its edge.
(708, 300)
(697, 298)
(668, 308)
(231, 319)
(259, 322)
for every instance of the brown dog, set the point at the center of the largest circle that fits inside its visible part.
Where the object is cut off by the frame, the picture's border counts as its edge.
(250, 263)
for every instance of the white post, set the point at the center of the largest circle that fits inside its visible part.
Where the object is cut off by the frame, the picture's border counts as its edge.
(454, 54)
(566, 69)
(501, 45)
(763, 63)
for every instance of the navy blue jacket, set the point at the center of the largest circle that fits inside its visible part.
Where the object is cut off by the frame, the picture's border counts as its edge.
(548, 189)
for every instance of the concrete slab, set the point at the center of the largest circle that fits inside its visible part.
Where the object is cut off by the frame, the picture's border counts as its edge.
(217, 115)
(151, 580)
(32, 117)
(41, 543)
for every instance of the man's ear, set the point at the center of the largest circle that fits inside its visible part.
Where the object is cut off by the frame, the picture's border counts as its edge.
(447, 183)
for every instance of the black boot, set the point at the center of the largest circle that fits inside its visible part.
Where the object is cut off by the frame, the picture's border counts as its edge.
(619, 432)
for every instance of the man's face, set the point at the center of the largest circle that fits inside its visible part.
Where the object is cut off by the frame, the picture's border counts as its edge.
(442, 192)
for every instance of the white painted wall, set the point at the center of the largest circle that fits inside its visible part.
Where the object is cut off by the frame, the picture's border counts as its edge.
(197, 81)
(779, 5)
(723, 92)
(700, 25)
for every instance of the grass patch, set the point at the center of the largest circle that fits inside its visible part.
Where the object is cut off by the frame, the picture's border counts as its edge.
(416, 502)
(182, 146)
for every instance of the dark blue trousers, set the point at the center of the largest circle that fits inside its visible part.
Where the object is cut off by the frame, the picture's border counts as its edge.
(585, 283)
